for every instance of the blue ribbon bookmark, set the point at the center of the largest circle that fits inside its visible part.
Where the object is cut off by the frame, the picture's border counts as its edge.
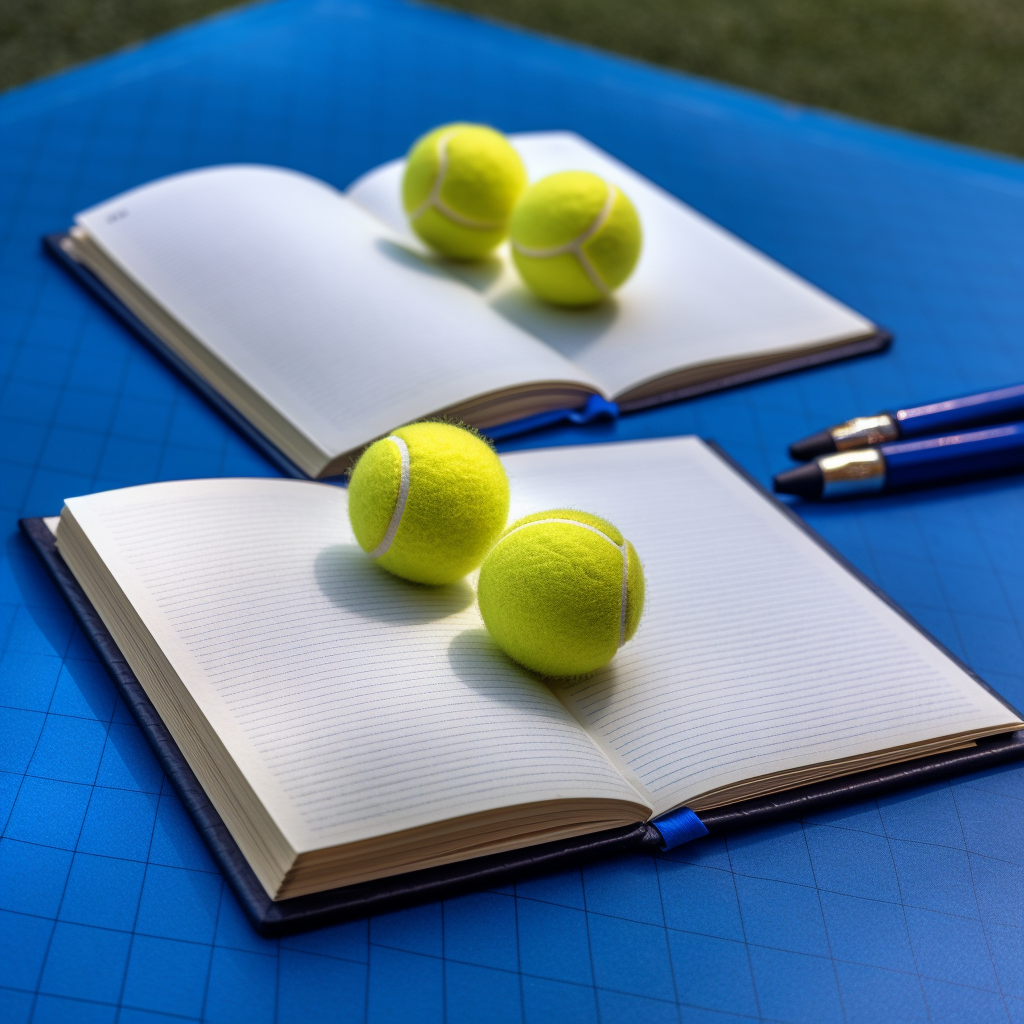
(678, 827)
(597, 408)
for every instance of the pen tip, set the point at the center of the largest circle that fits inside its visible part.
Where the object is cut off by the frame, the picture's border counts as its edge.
(806, 448)
(804, 481)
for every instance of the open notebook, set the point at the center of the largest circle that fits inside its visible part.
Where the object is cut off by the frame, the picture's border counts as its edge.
(317, 318)
(348, 726)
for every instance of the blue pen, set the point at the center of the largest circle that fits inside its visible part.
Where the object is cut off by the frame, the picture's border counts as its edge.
(935, 418)
(903, 464)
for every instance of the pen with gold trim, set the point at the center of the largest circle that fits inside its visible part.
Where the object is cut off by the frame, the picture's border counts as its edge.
(916, 421)
(903, 464)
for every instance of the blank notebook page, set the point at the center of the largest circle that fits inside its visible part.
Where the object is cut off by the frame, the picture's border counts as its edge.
(757, 652)
(698, 294)
(355, 703)
(307, 299)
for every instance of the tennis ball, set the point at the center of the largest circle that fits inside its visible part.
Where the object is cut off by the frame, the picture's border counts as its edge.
(461, 182)
(561, 592)
(428, 501)
(575, 238)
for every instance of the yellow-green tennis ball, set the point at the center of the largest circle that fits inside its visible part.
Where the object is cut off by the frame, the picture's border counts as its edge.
(461, 182)
(428, 501)
(561, 592)
(575, 238)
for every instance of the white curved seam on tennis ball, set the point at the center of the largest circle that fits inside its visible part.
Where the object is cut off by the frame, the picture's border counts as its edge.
(434, 196)
(403, 497)
(584, 236)
(575, 246)
(625, 592)
(621, 548)
(442, 167)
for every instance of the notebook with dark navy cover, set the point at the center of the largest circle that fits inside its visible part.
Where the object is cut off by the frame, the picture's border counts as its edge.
(316, 321)
(348, 726)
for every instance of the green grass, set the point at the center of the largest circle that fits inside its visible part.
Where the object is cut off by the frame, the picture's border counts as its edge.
(41, 36)
(951, 68)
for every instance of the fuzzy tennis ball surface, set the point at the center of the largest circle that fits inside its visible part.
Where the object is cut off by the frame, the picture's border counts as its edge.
(561, 592)
(428, 501)
(575, 238)
(461, 182)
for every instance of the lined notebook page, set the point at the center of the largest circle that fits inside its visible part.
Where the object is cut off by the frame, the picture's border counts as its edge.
(355, 703)
(698, 295)
(306, 298)
(757, 652)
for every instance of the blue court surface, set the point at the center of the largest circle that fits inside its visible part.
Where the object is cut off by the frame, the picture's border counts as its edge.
(908, 908)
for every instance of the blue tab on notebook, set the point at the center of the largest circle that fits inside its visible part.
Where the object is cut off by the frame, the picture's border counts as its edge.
(678, 827)
(597, 408)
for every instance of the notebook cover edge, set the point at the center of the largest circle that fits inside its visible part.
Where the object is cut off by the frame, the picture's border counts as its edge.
(879, 341)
